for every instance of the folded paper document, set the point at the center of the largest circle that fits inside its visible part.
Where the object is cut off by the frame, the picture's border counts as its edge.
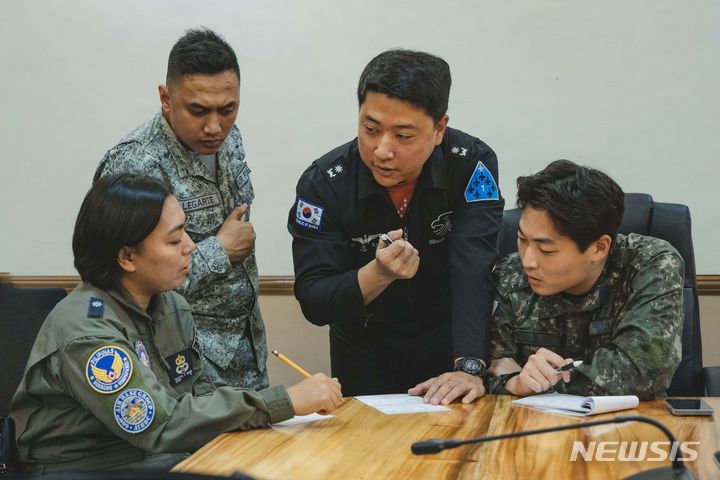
(577, 405)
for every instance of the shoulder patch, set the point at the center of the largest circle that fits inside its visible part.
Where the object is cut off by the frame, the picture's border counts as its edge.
(335, 171)
(134, 410)
(108, 369)
(96, 307)
(308, 215)
(482, 186)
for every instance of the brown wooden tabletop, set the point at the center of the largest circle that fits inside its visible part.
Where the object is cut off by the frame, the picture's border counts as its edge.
(362, 443)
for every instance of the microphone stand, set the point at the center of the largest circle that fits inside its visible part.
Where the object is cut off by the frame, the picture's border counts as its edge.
(677, 471)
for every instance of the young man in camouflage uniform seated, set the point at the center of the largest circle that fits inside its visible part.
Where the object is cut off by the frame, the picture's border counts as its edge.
(578, 290)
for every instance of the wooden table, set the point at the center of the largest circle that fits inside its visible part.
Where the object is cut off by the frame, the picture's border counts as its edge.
(362, 443)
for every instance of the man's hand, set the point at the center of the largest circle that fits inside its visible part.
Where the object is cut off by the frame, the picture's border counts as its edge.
(448, 387)
(399, 260)
(318, 393)
(539, 373)
(391, 262)
(237, 235)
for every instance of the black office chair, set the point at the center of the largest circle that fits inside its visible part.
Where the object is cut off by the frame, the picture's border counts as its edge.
(22, 312)
(671, 222)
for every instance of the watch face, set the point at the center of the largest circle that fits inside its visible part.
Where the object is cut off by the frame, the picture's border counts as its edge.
(471, 365)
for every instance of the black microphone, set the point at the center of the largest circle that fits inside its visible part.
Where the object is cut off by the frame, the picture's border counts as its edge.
(677, 471)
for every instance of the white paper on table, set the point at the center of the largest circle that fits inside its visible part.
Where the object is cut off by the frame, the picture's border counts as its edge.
(397, 403)
(298, 419)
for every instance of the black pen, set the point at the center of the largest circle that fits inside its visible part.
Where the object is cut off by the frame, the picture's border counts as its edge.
(569, 366)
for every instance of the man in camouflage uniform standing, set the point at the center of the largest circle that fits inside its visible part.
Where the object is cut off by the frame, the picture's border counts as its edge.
(194, 146)
(578, 290)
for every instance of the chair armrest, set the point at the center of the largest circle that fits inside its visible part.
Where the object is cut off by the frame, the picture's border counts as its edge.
(712, 381)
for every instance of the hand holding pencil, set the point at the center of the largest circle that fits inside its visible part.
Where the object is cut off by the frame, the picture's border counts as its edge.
(317, 393)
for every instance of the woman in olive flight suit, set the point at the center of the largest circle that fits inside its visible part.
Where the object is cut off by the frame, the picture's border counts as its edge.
(115, 377)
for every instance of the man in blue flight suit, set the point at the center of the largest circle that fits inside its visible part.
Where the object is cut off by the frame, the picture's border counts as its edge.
(410, 313)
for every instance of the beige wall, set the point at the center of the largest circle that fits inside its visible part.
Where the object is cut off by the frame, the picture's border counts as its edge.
(306, 344)
(288, 332)
(710, 328)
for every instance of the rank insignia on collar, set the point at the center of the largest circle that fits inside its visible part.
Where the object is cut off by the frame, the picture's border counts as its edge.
(335, 171)
(462, 151)
(134, 410)
(482, 186)
(308, 215)
(108, 369)
(96, 307)
(142, 353)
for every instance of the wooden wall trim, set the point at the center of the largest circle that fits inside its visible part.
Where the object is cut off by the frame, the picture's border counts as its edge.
(269, 285)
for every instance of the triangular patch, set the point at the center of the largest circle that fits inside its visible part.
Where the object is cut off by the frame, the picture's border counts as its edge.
(482, 186)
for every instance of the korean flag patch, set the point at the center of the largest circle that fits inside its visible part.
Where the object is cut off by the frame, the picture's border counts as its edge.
(482, 186)
(308, 215)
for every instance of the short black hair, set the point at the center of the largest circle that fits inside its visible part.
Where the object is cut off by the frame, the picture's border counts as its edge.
(583, 203)
(416, 77)
(200, 51)
(119, 211)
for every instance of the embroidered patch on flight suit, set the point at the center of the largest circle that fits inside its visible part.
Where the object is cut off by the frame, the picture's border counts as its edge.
(198, 203)
(108, 369)
(180, 366)
(308, 215)
(134, 410)
(482, 186)
(142, 353)
(96, 307)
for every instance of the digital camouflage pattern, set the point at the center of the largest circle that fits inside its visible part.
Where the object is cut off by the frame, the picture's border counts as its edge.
(65, 424)
(223, 296)
(627, 330)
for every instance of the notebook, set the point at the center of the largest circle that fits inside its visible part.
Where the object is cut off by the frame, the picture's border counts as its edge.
(577, 405)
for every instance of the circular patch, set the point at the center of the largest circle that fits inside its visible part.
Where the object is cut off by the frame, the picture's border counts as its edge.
(134, 410)
(108, 369)
(142, 353)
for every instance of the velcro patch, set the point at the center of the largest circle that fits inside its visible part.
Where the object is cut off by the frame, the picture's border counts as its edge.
(527, 337)
(108, 369)
(308, 215)
(243, 176)
(482, 186)
(134, 410)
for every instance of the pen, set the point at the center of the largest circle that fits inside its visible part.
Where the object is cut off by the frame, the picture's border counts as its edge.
(291, 363)
(569, 366)
(386, 239)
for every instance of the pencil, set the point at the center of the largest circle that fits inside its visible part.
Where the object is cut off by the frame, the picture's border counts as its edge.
(291, 363)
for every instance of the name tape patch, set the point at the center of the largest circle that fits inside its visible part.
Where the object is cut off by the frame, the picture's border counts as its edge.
(198, 203)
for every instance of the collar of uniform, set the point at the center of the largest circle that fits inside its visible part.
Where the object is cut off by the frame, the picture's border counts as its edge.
(187, 161)
(126, 300)
(434, 168)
